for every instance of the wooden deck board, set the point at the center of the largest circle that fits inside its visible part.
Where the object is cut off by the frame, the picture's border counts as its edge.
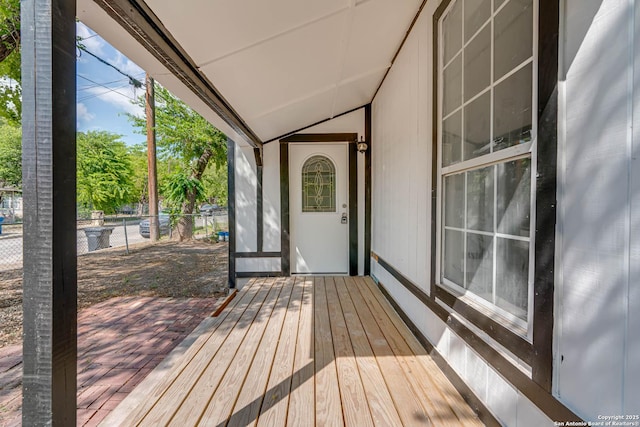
(355, 407)
(383, 411)
(249, 402)
(249, 326)
(221, 404)
(407, 401)
(302, 398)
(303, 351)
(328, 410)
(276, 399)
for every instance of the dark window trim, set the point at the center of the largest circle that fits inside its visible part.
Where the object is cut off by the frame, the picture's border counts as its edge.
(515, 343)
(546, 191)
(142, 24)
(544, 251)
(540, 397)
(285, 237)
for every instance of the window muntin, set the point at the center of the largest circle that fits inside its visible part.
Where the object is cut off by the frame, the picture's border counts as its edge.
(318, 185)
(486, 137)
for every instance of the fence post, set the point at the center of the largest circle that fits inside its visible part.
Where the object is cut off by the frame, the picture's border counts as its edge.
(126, 238)
(206, 232)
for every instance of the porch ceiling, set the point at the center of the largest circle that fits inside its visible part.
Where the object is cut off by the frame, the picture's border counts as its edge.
(282, 64)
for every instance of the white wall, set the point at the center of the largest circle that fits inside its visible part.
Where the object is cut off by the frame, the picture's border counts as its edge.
(246, 201)
(401, 162)
(271, 196)
(598, 284)
(349, 123)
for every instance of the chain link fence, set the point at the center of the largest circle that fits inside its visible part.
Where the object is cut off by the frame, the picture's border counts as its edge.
(117, 232)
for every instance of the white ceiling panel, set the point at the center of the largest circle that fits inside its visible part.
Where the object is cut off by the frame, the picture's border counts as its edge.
(356, 93)
(294, 116)
(371, 45)
(282, 70)
(211, 29)
(280, 64)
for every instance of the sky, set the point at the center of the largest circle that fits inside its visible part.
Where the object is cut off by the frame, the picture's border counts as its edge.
(105, 95)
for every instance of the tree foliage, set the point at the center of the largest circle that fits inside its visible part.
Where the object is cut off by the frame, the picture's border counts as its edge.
(183, 134)
(10, 88)
(105, 172)
(10, 157)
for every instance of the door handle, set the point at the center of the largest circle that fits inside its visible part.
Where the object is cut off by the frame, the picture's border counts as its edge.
(344, 219)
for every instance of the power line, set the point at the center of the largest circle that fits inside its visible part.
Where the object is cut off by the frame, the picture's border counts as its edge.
(132, 80)
(106, 87)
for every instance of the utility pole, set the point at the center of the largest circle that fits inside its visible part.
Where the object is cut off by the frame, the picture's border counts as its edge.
(150, 109)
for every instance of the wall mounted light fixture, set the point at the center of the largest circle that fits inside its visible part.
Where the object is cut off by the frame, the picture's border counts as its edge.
(362, 146)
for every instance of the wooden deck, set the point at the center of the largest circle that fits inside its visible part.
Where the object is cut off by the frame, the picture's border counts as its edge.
(303, 351)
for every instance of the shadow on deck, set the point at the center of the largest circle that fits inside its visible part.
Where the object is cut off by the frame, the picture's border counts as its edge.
(298, 351)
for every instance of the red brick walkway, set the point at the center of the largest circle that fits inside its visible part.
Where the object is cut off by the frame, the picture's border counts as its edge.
(119, 342)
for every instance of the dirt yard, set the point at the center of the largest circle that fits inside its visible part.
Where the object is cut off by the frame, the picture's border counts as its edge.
(166, 269)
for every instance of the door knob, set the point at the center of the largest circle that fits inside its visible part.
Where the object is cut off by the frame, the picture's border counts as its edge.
(343, 220)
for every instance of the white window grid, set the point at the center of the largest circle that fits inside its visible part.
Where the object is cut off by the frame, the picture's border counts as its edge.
(516, 152)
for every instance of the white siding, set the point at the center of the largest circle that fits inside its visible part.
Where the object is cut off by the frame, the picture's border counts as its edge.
(246, 202)
(271, 196)
(401, 161)
(598, 325)
(257, 264)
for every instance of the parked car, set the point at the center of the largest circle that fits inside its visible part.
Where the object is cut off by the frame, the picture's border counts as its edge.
(165, 226)
(208, 209)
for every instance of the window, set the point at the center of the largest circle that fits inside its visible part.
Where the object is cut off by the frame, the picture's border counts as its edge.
(487, 130)
(318, 185)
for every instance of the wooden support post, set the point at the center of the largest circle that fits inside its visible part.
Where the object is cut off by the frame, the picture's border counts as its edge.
(49, 191)
(150, 109)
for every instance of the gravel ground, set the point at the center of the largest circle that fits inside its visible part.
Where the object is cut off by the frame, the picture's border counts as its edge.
(196, 269)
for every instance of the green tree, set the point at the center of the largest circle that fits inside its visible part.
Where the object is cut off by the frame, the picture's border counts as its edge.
(10, 88)
(183, 134)
(215, 184)
(105, 172)
(10, 157)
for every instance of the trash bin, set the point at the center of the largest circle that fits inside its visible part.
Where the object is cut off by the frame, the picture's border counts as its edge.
(1, 221)
(98, 237)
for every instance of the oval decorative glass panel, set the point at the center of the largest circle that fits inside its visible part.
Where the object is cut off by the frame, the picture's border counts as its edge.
(318, 185)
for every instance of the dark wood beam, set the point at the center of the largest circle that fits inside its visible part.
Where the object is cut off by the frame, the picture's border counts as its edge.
(320, 137)
(49, 191)
(367, 191)
(142, 24)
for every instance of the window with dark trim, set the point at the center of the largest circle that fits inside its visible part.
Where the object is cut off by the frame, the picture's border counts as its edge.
(487, 86)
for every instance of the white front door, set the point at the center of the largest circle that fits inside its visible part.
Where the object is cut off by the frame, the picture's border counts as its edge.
(319, 197)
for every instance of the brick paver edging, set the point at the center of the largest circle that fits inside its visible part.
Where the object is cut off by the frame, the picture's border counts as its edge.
(119, 342)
